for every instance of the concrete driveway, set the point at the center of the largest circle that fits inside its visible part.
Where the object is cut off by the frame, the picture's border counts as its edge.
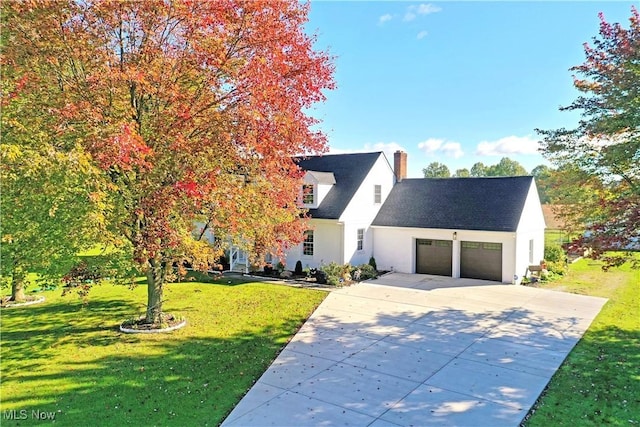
(408, 350)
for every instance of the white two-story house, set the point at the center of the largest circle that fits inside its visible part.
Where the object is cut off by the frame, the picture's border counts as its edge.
(485, 228)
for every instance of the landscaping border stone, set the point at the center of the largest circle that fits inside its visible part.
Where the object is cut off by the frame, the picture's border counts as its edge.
(152, 331)
(24, 304)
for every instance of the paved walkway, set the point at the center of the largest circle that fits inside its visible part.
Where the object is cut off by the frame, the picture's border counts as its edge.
(419, 350)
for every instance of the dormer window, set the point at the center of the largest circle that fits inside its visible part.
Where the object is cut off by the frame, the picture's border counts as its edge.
(308, 194)
(315, 187)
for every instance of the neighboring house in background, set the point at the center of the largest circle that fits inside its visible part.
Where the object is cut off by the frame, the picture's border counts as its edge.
(486, 228)
(551, 217)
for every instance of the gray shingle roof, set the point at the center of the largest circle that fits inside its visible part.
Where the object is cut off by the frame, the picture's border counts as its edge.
(349, 171)
(491, 204)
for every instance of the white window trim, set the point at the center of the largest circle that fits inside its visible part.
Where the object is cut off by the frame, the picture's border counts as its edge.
(531, 247)
(310, 244)
(312, 194)
(359, 240)
(377, 196)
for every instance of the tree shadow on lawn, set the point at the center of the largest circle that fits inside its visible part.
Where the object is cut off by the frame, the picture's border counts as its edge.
(189, 378)
(38, 330)
(179, 381)
(598, 384)
(216, 278)
(71, 359)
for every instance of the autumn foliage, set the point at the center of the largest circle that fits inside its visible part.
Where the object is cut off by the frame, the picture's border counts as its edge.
(604, 150)
(192, 109)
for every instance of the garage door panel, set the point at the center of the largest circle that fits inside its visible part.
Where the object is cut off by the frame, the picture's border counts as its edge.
(481, 260)
(434, 257)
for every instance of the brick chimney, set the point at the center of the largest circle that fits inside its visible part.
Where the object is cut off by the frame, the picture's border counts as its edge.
(400, 165)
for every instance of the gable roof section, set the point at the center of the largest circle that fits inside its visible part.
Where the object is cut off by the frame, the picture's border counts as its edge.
(323, 177)
(491, 204)
(349, 171)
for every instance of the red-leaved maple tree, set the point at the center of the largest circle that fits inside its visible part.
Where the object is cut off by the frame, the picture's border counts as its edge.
(606, 144)
(192, 109)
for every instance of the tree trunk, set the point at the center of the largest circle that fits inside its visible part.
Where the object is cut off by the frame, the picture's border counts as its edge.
(17, 286)
(155, 285)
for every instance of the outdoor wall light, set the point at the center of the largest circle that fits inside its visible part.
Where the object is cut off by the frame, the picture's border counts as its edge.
(455, 235)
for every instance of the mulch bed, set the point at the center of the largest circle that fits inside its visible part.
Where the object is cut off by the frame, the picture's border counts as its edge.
(168, 323)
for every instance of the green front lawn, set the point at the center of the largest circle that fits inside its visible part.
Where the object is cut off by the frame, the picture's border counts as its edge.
(599, 382)
(70, 359)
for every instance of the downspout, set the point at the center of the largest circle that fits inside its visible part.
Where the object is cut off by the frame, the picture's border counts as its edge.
(372, 243)
(342, 257)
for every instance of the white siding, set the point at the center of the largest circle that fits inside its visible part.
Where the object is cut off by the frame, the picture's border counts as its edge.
(321, 193)
(395, 247)
(530, 227)
(327, 248)
(362, 210)
(351, 254)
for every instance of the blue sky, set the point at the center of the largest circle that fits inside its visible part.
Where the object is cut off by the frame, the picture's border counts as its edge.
(453, 82)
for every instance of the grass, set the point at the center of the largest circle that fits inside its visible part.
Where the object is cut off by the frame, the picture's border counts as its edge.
(599, 382)
(557, 237)
(70, 359)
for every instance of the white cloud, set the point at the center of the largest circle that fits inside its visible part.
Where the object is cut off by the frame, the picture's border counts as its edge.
(387, 147)
(508, 145)
(421, 35)
(334, 150)
(452, 149)
(431, 145)
(427, 9)
(384, 18)
(422, 9)
(434, 146)
(409, 16)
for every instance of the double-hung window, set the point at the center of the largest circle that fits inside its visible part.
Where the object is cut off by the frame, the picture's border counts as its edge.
(531, 251)
(377, 194)
(307, 244)
(360, 239)
(307, 194)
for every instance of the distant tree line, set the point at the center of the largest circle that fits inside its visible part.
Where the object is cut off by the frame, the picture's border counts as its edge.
(552, 183)
(506, 167)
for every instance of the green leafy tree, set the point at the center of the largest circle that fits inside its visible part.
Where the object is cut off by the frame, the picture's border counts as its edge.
(462, 173)
(436, 170)
(571, 189)
(605, 146)
(192, 111)
(53, 199)
(542, 174)
(478, 170)
(506, 167)
(50, 209)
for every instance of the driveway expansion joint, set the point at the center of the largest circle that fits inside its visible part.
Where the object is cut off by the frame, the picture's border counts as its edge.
(465, 353)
